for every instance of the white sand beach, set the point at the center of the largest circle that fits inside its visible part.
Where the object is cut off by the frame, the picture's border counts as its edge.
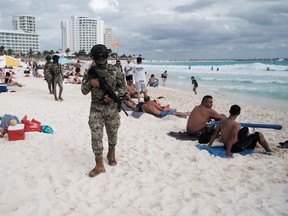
(47, 174)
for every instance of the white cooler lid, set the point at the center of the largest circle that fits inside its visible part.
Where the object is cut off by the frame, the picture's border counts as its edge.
(16, 127)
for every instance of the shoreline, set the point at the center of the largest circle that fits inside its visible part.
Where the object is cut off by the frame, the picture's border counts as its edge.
(265, 103)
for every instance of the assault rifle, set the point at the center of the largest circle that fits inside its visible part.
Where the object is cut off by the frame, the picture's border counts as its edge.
(106, 88)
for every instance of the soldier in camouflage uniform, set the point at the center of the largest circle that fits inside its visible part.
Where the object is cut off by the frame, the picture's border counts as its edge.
(56, 70)
(103, 110)
(47, 75)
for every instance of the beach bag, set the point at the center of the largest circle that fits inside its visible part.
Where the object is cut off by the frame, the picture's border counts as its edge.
(47, 129)
(31, 126)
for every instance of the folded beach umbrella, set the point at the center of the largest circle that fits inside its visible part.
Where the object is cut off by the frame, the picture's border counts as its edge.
(10, 61)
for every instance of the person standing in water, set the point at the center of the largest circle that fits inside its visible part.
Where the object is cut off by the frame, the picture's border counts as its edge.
(164, 76)
(195, 84)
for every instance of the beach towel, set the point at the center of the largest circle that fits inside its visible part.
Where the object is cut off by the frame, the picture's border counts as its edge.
(221, 152)
(136, 114)
(181, 136)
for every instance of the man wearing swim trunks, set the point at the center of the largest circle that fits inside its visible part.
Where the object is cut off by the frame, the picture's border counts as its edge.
(153, 108)
(235, 138)
(201, 115)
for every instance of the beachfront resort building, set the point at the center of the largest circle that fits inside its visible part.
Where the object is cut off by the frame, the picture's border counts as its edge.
(23, 37)
(82, 33)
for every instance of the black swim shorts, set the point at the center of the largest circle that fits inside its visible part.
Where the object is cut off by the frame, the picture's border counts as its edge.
(244, 141)
(129, 77)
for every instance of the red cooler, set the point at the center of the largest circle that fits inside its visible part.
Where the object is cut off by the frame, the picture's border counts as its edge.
(16, 132)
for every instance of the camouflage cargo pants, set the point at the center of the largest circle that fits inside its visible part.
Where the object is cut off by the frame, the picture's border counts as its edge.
(97, 120)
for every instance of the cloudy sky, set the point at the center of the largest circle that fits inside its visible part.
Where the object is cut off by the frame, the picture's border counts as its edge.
(163, 29)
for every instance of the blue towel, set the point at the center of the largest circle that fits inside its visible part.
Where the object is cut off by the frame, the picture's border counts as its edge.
(221, 152)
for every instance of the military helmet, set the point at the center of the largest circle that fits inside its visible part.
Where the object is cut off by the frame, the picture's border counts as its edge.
(48, 57)
(55, 57)
(99, 51)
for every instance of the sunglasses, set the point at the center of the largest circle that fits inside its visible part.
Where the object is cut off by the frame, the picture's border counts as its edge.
(103, 56)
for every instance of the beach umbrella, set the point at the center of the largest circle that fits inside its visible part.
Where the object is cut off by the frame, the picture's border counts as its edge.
(10, 61)
(62, 60)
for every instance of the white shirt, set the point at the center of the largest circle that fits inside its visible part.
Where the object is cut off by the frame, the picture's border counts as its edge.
(127, 67)
(139, 73)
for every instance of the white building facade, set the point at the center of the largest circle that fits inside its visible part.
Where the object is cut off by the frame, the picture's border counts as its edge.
(82, 33)
(23, 37)
(108, 38)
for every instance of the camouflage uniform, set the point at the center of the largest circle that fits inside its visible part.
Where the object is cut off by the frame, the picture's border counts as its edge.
(48, 76)
(104, 114)
(56, 70)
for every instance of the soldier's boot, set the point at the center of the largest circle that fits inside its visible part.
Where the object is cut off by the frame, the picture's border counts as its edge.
(55, 94)
(50, 90)
(60, 93)
(111, 157)
(99, 168)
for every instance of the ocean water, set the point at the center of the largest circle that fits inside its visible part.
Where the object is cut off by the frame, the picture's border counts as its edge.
(263, 83)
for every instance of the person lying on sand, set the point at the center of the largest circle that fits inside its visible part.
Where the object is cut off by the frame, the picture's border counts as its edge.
(128, 102)
(235, 138)
(154, 108)
(75, 80)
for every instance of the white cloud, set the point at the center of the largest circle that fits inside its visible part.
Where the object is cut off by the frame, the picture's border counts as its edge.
(104, 5)
(165, 29)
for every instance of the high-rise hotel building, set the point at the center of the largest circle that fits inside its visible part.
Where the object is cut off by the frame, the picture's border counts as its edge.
(23, 37)
(82, 33)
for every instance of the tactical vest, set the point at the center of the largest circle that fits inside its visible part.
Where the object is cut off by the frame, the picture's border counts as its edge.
(55, 69)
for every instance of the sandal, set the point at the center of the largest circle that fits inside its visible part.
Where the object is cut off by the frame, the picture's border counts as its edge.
(283, 144)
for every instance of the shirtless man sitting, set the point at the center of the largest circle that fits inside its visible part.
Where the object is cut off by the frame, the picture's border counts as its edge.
(235, 138)
(153, 108)
(153, 81)
(201, 115)
(131, 89)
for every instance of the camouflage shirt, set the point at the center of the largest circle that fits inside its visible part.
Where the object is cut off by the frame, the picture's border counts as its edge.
(114, 78)
(46, 70)
(55, 69)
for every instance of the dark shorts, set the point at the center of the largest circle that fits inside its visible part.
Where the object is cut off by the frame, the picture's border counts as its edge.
(244, 141)
(129, 77)
(199, 133)
(204, 134)
(139, 107)
(166, 112)
(154, 84)
(77, 70)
